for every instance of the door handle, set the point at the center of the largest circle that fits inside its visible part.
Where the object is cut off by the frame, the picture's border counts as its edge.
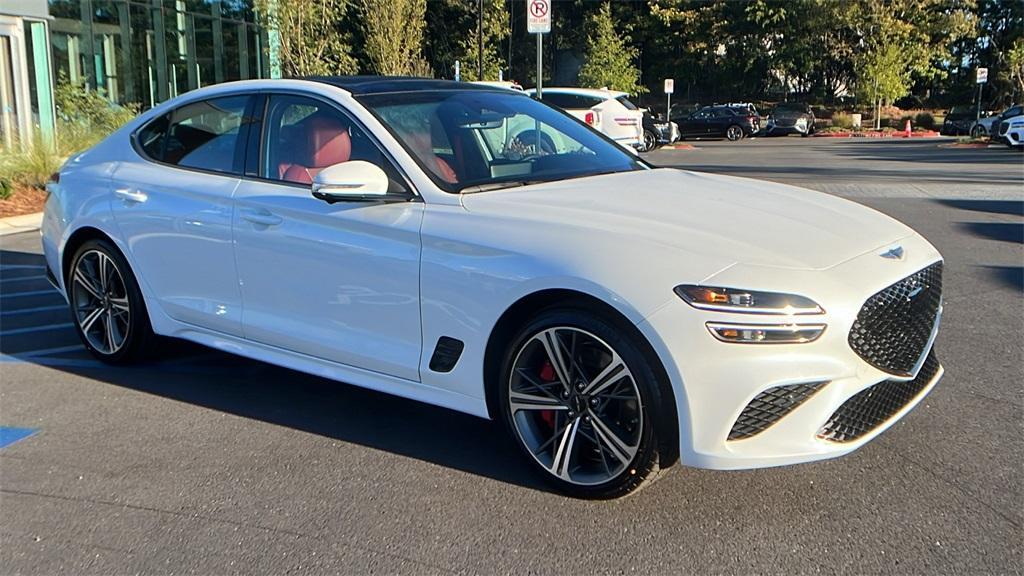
(131, 196)
(261, 217)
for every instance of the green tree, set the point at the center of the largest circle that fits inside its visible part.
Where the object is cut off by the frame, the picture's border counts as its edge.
(1015, 59)
(609, 56)
(451, 34)
(311, 36)
(393, 37)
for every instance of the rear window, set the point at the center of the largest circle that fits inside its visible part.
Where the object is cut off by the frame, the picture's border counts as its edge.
(624, 100)
(204, 135)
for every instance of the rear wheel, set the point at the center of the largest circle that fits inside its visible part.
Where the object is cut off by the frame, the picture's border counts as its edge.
(978, 132)
(110, 315)
(577, 396)
(734, 133)
(650, 141)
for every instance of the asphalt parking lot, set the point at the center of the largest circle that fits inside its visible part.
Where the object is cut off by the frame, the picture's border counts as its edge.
(211, 464)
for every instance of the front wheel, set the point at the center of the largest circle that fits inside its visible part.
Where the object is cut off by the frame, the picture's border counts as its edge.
(734, 133)
(978, 132)
(109, 312)
(578, 397)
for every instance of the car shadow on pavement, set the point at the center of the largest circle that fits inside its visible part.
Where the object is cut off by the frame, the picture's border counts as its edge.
(201, 376)
(1000, 231)
(1010, 276)
(1010, 207)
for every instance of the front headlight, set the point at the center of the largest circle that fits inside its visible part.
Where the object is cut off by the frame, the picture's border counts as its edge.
(746, 301)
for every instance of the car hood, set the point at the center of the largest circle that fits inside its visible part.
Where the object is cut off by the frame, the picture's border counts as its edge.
(734, 220)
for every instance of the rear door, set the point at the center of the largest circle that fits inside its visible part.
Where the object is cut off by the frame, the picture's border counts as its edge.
(173, 208)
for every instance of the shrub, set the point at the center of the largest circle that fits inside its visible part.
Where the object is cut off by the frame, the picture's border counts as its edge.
(84, 117)
(924, 120)
(842, 120)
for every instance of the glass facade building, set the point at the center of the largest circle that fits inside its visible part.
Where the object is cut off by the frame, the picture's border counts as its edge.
(147, 51)
(136, 52)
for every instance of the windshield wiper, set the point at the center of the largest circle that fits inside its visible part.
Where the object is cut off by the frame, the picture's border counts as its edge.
(498, 186)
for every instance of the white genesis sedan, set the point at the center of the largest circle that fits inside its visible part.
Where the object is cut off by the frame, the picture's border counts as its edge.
(471, 247)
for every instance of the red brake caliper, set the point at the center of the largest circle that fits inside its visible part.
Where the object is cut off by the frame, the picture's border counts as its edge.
(547, 374)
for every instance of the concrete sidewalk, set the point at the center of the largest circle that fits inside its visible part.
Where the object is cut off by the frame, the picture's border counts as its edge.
(23, 223)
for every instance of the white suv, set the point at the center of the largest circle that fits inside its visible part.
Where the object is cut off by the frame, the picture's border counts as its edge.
(607, 111)
(1014, 135)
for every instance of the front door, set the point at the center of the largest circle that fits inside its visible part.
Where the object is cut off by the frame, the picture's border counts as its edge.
(334, 281)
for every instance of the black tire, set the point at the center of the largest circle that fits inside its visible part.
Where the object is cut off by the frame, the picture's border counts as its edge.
(627, 477)
(734, 133)
(137, 334)
(978, 132)
(650, 141)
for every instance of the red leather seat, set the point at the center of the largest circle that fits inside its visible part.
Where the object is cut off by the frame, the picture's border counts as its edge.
(323, 141)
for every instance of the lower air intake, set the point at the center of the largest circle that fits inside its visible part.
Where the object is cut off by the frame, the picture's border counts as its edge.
(769, 407)
(872, 407)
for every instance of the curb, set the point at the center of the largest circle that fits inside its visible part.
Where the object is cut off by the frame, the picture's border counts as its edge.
(679, 147)
(931, 134)
(18, 224)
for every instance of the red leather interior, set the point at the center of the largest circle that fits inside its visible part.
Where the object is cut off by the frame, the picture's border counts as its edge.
(323, 141)
(445, 171)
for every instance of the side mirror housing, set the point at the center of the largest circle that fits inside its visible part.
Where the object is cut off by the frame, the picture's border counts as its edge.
(353, 181)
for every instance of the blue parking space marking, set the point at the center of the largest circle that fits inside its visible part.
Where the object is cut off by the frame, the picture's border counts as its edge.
(9, 435)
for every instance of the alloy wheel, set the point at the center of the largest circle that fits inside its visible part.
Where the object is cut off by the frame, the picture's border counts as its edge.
(734, 133)
(575, 406)
(100, 302)
(649, 141)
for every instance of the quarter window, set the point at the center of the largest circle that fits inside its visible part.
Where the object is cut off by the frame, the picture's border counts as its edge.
(205, 135)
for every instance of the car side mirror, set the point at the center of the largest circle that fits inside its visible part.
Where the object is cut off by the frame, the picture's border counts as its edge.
(353, 181)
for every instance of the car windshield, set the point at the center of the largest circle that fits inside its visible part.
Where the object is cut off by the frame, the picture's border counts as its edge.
(471, 141)
(791, 107)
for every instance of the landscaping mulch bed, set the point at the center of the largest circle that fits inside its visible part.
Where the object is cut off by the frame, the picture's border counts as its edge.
(24, 200)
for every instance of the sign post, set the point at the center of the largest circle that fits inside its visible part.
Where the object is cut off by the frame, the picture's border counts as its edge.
(981, 77)
(670, 87)
(538, 21)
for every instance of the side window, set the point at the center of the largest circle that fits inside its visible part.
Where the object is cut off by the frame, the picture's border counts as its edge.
(205, 135)
(563, 101)
(151, 137)
(590, 101)
(302, 136)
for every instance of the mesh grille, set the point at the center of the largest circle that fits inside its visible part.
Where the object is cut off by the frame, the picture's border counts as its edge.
(870, 408)
(893, 327)
(769, 407)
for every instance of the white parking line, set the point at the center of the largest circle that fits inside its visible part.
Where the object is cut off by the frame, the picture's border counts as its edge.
(33, 293)
(36, 329)
(45, 351)
(31, 310)
(23, 279)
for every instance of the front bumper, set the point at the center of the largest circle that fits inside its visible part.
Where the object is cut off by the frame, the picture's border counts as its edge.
(779, 130)
(715, 381)
(1014, 137)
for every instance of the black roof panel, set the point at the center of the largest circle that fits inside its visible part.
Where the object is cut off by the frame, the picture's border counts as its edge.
(361, 85)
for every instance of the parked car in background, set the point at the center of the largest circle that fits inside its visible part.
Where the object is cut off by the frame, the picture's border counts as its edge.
(499, 84)
(1013, 136)
(607, 111)
(790, 118)
(1001, 125)
(985, 126)
(959, 121)
(718, 122)
(657, 131)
